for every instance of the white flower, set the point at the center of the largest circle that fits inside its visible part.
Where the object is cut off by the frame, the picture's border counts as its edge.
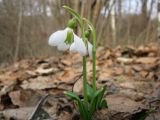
(78, 46)
(58, 39)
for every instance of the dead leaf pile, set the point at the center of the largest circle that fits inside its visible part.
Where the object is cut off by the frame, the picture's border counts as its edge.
(130, 74)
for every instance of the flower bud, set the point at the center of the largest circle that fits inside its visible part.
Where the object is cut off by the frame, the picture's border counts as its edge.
(72, 23)
(86, 33)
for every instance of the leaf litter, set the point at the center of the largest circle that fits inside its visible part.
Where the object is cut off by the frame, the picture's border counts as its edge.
(132, 77)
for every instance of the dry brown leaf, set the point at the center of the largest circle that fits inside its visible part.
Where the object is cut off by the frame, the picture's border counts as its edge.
(67, 75)
(144, 73)
(137, 68)
(118, 71)
(66, 62)
(40, 83)
(8, 78)
(43, 71)
(132, 94)
(24, 98)
(18, 114)
(128, 70)
(105, 74)
(31, 73)
(78, 86)
(146, 60)
(127, 84)
(124, 60)
(122, 103)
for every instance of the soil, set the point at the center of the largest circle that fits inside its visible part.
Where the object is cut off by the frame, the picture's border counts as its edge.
(32, 89)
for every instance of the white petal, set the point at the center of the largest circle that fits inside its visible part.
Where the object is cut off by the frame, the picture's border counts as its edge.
(90, 49)
(73, 48)
(63, 46)
(58, 37)
(78, 46)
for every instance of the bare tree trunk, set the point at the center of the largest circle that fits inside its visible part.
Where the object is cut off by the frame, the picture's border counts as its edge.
(144, 13)
(18, 32)
(113, 26)
(101, 23)
(120, 8)
(84, 8)
(119, 21)
(159, 21)
(149, 21)
(96, 11)
(44, 8)
(129, 26)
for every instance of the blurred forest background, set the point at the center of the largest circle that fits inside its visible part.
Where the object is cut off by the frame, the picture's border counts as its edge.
(25, 25)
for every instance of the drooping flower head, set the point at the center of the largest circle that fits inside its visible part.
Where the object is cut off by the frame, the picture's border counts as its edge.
(58, 39)
(67, 39)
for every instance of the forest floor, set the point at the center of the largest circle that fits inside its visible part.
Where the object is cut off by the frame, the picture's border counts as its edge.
(32, 89)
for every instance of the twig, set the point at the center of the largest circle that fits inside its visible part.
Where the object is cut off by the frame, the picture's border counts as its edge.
(39, 113)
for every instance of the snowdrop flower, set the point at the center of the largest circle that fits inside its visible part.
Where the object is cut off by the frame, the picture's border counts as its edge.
(58, 39)
(78, 46)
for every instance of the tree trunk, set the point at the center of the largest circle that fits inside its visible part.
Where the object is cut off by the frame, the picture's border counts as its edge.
(18, 32)
(159, 21)
(113, 26)
(120, 8)
(144, 13)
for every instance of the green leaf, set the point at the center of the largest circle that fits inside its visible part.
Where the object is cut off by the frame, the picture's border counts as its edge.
(75, 14)
(103, 104)
(94, 102)
(82, 108)
(90, 92)
(72, 95)
(100, 97)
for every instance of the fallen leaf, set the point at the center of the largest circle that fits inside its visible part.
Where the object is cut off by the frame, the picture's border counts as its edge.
(118, 71)
(122, 103)
(143, 73)
(67, 62)
(107, 73)
(18, 114)
(43, 71)
(128, 85)
(146, 60)
(67, 75)
(24, 98)
(40, 83)
(78, 86)
(124, 60)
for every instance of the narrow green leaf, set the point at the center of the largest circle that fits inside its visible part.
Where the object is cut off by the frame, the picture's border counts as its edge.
(90, 92)
(100, 97)
(94, 102)
(103, 104)
(80, 105)
(74, 13)
(72, 95)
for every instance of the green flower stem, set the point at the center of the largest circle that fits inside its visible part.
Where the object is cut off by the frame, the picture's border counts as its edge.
(81, 23)
(85, 82)
(94, 59)
(84, 69)
(93, 32)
